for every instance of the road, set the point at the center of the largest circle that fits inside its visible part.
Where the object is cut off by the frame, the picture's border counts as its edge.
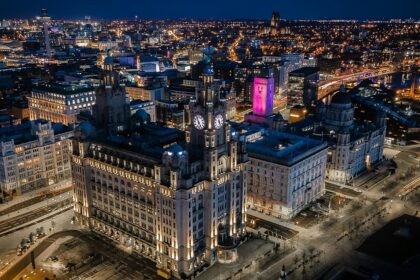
(37, 199)
(9, 224)
(325, 241)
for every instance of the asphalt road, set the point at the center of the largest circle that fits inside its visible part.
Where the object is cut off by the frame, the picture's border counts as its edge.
(13, 222)
(37, 199)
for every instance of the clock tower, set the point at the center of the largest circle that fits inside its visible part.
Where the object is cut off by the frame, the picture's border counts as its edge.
(222, 169)
(207, 126)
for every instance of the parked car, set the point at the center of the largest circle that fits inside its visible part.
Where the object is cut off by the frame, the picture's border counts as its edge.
(53, 258)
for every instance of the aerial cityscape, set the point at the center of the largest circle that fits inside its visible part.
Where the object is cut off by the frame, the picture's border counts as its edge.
(184, 140)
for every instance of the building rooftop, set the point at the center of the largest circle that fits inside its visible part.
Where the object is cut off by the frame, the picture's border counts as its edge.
(304, 71)
(149, 140)
(278, 147)
(23, 133)
(136, 102)
(64, 88)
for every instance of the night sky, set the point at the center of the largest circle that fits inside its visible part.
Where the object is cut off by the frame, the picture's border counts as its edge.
(218, 9)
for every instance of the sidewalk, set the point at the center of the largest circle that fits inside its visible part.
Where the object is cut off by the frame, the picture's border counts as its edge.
(248, 253)
(275, 220)
(32, 194)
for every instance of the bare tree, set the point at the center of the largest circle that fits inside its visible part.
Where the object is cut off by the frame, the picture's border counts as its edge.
(296, 260)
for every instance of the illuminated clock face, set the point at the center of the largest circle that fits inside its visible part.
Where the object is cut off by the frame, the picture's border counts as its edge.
(218, 121)
(199, 122)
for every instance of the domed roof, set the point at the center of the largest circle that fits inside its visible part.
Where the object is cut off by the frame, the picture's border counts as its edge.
(141, 115)
(108, 60)
(344, 130)
(380, 114)
(175, 149)
(86, 126)
(208, 70)
(85, 129)
(341, 97)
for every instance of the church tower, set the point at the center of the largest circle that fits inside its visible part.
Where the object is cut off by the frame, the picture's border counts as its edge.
(111, 112)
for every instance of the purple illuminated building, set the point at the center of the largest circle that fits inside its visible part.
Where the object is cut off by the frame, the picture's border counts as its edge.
(263, 95)
(262, 105)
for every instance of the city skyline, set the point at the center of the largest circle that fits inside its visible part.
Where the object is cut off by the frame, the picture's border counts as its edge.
(125, 9)
(209, 140)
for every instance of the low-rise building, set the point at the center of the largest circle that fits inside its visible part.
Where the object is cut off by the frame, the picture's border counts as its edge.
(150, 92)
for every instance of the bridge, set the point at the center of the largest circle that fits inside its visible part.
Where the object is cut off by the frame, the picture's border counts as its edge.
(327, 87)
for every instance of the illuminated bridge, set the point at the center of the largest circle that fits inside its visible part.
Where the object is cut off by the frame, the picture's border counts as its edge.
(328, 87)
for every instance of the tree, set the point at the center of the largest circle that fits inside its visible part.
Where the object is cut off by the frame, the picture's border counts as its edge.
(311, 250)
(304, 257)
(303, 272)
(296, 260)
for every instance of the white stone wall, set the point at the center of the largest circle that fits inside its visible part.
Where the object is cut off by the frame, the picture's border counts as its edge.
(283, 191)
(31, 165)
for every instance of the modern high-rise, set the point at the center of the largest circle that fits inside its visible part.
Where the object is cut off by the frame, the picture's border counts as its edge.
(303, 86)
(262, 98)
(262, 104)
(45, 19)
(175, 197)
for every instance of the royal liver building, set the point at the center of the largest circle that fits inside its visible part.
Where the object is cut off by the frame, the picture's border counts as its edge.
(175, 197)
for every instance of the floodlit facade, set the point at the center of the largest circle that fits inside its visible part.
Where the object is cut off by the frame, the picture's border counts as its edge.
(60, 102)
(354, 145)
(34, 155)
(180, 203)
(285, 173)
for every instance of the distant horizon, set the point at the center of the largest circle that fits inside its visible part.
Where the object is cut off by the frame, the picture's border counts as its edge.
(360, 10)
(212, 19)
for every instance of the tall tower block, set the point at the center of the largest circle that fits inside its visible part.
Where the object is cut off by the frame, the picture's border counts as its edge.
(45, 20)
(263, 96)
